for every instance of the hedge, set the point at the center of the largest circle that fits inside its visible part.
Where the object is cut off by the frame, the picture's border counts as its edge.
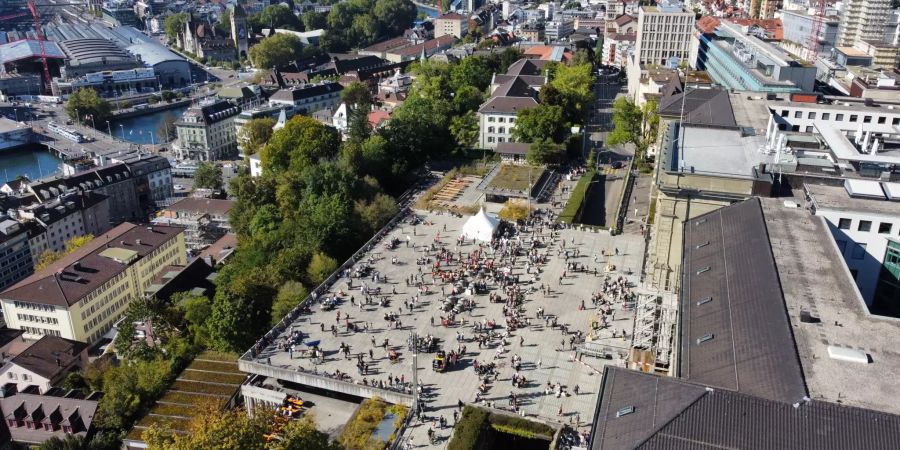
(508, 423)
(469, 431)
(570, 212)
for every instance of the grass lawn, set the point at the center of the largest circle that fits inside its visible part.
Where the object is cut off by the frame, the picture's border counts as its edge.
(515, 177)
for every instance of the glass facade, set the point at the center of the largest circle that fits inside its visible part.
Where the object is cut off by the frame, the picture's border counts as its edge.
(887, 292)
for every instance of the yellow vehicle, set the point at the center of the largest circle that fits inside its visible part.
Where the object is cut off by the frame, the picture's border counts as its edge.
(440, 361)
(295, 401)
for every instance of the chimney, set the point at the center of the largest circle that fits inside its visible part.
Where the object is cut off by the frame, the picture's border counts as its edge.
(138, 241)
(58, 364)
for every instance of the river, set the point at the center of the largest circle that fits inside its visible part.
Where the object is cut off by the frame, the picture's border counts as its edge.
(430, 11)
(144, 129)
(33, 161)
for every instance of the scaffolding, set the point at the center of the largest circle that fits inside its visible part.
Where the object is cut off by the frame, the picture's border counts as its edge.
(654, 328)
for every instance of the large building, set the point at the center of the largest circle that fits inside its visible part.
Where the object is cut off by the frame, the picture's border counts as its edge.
(308, 99)
(45, 363)
(798, 29)
(664, 34)
(82, 295)
(16, 261)
(114, 181)
(737, 59)
(863, 20)
(511, 93)
(205, 220)
(864, 218)
(206, 132)
(453, 24)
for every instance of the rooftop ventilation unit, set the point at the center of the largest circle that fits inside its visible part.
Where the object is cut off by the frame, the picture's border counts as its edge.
(705, 338)
(625, 411)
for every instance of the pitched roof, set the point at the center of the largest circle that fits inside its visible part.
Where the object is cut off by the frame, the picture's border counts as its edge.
(624, 19)
(735, 333)
(50, 356)
(8, 335)
(701, 107)
(527, 66)
(508, 105)
(707, 24)
(202, 205)
(515, 87)
(513, 148)
(64, 284)
(640, 410)
(294, 94)
(69, 411)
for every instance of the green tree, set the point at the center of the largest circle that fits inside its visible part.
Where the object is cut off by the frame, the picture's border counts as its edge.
(215, 429)
(174, 25)
(574, 85)
(86, 103)
(508, 57)
(195, 311)
(634, 125)
(166, 131)
(543, 122)
(358, 124)
(320, 267)
(255, 134)
(514, 211)
(465, 130)
(49, 257)
(432, 79)
(357, 93)
(544, 151)
(77, 242)
(276, 50)
(279, 16)
(290, 294)
(314, 20)
(474, 71)
(301, 143)
(394, 16)
(241, 309)
(208, 176)
(224, 24)
(467, 99)
(376, 213)
(303, 435)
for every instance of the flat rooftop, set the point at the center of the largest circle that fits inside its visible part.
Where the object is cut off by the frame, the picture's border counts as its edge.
(720, 151)
(836, 198)
(542, 360)
(815, 280)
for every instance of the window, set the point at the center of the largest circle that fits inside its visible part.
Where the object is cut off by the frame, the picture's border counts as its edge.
(895, 121)
(882, 119)
(490, 129)
(809, 129)
(784, 113)
(490, 118)
(839, 117)
(844, 224)
(884, 228)
(864, 225)
(811, 115)
(826, 116)
(867, 119)
(25, 377)
(798, 114)
(12, 376)
(854, 117)
(859, 251)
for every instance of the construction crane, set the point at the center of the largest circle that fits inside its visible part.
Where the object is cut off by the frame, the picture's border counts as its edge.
(818, 22)
(40, 38)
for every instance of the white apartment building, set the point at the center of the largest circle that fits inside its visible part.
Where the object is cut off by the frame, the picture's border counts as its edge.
(665, 32)
(308, 99)
(558, 29)
(497, 118)
(863, 20)
(255, 165)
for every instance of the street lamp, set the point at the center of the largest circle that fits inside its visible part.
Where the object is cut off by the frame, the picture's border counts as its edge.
(77, 117)
(108, 129)
(16, 112)
(122, 127)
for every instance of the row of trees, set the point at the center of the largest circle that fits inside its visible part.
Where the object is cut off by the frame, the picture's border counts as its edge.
(359, 23)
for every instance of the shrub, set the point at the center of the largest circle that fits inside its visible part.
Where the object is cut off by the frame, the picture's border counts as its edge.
(514, 211)
(470, 429)
(572, 209)
(358, 432)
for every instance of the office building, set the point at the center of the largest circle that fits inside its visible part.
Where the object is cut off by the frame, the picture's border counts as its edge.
(82, 295)
(558, 29)
(16, 261)
(664, 34)
(738, 59)
(206, 132)
(453, 24)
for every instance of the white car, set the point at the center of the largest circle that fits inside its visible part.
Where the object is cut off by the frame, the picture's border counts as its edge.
(179, 187)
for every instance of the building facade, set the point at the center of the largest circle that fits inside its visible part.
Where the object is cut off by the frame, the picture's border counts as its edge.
(206, 132)
(453, 24)
(863, 20)
(16, 261)
(664, 34)
(82, 295)
(798, 29)
(308, 99)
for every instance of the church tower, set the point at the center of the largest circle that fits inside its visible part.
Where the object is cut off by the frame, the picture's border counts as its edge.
(239, 31)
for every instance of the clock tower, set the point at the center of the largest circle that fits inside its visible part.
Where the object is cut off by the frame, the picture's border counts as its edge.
(240, 34)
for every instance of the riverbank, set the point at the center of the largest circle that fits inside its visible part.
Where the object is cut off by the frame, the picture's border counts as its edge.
(429, 10)
(31, 160)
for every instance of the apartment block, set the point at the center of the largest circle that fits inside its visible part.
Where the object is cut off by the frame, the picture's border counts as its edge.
(664, 34)
(83, 294)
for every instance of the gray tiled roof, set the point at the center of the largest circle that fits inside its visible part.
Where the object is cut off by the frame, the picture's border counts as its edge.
(735, 333)
(674, 414)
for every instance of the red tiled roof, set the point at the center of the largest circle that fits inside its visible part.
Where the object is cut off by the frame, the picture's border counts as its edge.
(707, 24)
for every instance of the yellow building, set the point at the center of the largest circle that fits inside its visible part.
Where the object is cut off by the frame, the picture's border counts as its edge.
(82, 295)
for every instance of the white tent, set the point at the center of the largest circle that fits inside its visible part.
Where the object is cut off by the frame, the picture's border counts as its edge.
(481, 226)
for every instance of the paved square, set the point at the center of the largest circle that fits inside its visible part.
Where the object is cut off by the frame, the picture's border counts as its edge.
(546, 353)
